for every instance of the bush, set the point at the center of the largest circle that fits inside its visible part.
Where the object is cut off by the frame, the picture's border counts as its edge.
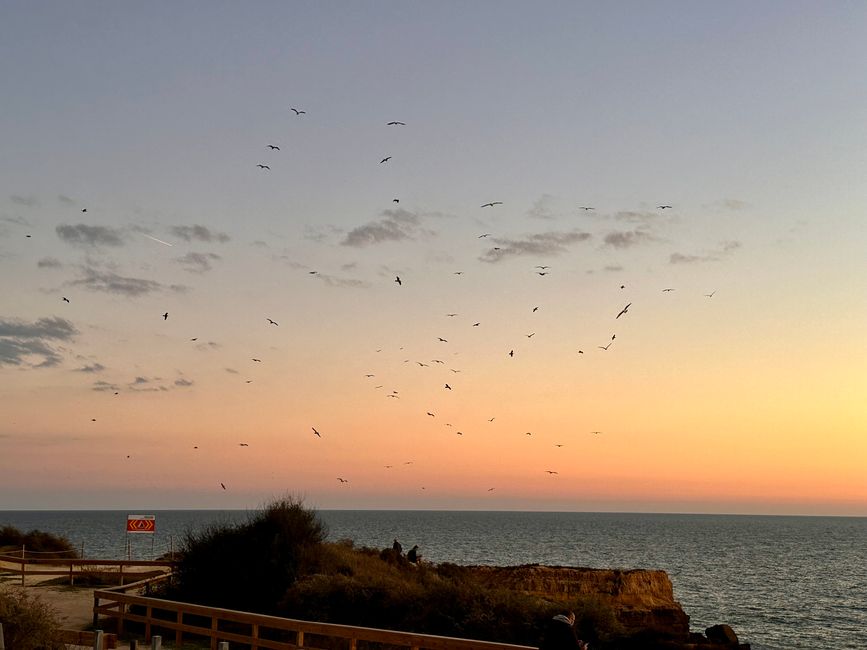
(250, 566)
(46, 544)
(28, 622)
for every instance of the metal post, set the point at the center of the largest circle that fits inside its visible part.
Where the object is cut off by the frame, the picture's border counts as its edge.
(224, 645)
(157, 643)
(97, 640)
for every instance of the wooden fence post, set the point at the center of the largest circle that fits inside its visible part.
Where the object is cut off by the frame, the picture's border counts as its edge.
(97, 640)
(95, 606)
(224, 645)
(133, 644)
(2, 642)
(157, 643)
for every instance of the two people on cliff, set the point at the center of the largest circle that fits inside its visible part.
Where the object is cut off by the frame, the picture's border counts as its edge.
(411, 555)
(560, 634)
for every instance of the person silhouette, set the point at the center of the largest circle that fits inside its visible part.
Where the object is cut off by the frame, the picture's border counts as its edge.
(412, 555)
(396, 547)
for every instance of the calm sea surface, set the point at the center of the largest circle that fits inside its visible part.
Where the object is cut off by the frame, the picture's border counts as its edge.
(781, 582)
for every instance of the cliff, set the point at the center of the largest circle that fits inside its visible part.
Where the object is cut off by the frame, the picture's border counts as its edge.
(642, 600)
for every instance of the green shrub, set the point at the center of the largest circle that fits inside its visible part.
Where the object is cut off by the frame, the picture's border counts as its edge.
(47, 545)
(28, 622)
(250, 566)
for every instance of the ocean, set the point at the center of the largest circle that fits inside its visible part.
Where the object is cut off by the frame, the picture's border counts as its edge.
(781, 582)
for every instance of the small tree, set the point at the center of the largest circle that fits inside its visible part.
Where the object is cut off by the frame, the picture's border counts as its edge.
(250, 566)
(28, 622)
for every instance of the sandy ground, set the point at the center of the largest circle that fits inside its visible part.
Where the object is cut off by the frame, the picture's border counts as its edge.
(73, 605)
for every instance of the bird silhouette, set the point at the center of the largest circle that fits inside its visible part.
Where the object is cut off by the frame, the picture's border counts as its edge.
(487, 234)
(542, 272)
(166, 316)
(511, 353)
(386, 159)
(623, 311)
(449, 387)
(535, 309)
(297, 112)
(476, 324)
(342, 480)
(604, 347)
(530, 335)
(316, 433)
(441, 340)
(257, 360)
(431, 414)
(710, 295)
(491, 420)
(396, 124)
(223, 485)
(664, 290)
(243, 444)
(65, 299)
(273, 147)
(585, 208)
(550, 471)
(543, 267)
(263, 166)
(395, 200)
(492, 204)
(397, 279)
(271, 321)
(663, 207)
(596, 432)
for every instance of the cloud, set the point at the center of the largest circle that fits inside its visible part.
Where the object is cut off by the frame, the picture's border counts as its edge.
(104, 386)
(49, 263)
(725, 249)
(83, 235)
(28, 201)
(396, 225)
(21, 340)
(208, 346)
(542, 208)
(183, 383)
(543, 244)
(199, 233)
(627, 238)
(333, 281)
(95, 367)
(643, 216)
(110, 282)
(197, 262)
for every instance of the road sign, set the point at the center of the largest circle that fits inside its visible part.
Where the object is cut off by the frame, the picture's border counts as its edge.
(141, 524)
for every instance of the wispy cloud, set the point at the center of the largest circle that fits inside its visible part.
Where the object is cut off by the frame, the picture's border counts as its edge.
(395, 225)
(89, 236)
(104, 386)
(541, 244)
(33, 344)
(199, 233)
(49, 263)
(725, 249)
(28, 201)
(94, 367)
(334, 281)
(197, 262)
(542, 208)
(110, 282)
(183, 383)
(207, 346)
(627, 238)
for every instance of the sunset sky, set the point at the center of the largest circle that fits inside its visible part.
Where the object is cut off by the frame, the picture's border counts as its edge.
(130, 139)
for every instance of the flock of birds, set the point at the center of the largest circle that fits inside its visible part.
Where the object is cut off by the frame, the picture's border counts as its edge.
(541, 270)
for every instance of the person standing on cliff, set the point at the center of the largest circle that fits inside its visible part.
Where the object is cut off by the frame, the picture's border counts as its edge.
(560, 634)
(412, 555)
(396, 547)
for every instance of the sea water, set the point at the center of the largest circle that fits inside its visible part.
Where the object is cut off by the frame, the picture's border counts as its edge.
(781, 582)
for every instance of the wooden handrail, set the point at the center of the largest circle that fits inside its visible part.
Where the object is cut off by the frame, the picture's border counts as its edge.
(176, 618)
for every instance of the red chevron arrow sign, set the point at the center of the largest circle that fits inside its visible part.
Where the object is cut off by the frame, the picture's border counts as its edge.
(141, 523)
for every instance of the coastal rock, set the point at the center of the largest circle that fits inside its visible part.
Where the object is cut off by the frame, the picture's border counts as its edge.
(642, 600)
(721, 634)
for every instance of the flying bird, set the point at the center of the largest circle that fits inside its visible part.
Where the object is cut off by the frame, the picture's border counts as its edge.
(530, 335)
(263, 166)
(604, 347)
(476, 324)
(441, 340)
(386, 159)
(223, 485)
(397, 279)
(449, 387)
(271, 321)
(492, 204)
(543, 267)
(395, 200)
(297, 112)
(585, 208)
(257, 360)
(710, 295)
(316, 433)
(431, 414)
(487, 234)
(511, 353)
(166, 316)
(596, 432)
(550, 471)
(342, 480)
(663, 207)
(396, 124)
(243, 444)
(273, 147)
(664, 290)
(65, 299)
(535, 309)
(84, 209)
(622, 311)
(542, 272)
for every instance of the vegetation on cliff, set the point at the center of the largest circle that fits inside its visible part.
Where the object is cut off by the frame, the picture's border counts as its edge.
(47, 545)
(278, 562)
(28, 623)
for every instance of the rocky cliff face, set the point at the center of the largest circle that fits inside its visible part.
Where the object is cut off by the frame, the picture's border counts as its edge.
(642, 600)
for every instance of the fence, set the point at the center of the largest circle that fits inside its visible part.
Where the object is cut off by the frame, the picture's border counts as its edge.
(24, 566)
(257, 631)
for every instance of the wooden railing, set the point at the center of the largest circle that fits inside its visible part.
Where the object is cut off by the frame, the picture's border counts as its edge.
(29, 566)
(258, 631)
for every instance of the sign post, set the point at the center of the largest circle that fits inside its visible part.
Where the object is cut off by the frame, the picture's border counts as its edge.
(140, 524)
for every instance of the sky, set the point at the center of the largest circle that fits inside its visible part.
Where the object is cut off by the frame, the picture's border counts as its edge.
(191, 318)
